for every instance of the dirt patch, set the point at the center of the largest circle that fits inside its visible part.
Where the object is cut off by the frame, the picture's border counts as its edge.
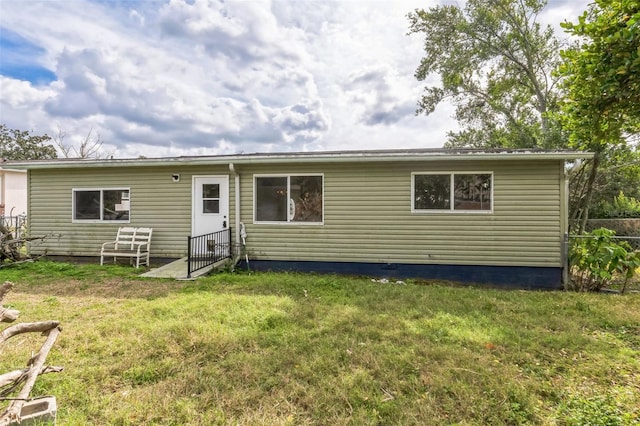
(112, 288)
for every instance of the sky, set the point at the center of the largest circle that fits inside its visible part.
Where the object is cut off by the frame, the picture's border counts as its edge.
(160, 78)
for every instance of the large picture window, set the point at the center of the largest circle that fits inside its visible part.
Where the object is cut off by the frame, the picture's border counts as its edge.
(101, 205)
(295, 198)
(449, 192)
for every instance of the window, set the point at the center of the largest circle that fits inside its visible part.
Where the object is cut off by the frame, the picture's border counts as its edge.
(471, 192)
(101, 205)
(210, 198)
(293, 199)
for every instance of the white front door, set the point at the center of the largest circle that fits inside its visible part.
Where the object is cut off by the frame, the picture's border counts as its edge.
(210, 204)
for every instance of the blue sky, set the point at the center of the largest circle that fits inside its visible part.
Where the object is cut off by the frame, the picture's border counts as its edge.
(17, 60)
(175, 77)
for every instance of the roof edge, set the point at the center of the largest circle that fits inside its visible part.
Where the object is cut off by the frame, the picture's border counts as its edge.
(311, 157)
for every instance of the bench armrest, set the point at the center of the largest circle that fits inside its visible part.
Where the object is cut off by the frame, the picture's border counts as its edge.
(113, 243)
(140, 245)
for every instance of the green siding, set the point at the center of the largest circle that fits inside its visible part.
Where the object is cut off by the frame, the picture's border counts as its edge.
(156, 202)
(367, 213)
(368, 217)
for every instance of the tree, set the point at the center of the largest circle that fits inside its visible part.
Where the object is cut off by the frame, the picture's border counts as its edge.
(601, 109)
(89, 147)
(616, 178)
(495, 63)
(22, 145)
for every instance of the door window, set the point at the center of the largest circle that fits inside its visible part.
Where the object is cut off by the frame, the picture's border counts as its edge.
(210, 198)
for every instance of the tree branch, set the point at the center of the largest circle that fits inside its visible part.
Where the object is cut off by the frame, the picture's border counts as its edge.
(17, 375)
(4, 289)
(12, 413)
(14, 330)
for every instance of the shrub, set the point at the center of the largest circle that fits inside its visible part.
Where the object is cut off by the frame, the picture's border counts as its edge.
(595, 258)
(621, 207)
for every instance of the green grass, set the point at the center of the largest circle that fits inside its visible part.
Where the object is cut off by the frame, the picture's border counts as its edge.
(306, 350)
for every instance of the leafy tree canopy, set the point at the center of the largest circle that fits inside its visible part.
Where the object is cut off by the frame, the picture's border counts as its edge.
(601, 83)
(602, 75)
(22, 145)
(495, 63)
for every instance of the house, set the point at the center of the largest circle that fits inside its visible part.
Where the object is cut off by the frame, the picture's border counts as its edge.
(13, 192)
(485, 216)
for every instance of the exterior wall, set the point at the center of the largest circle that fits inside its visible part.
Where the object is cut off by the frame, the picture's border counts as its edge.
(13, 192)
(367, 214)
(368, 218)
(156, 202)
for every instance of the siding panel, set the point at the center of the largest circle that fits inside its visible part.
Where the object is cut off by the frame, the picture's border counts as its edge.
(367, 214)
(368, 218)
(156, 202)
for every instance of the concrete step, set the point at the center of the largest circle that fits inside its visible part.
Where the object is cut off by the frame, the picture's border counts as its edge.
(41, 411)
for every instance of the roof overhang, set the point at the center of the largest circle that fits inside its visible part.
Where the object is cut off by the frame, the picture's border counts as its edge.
(12, 170)
(408, 155)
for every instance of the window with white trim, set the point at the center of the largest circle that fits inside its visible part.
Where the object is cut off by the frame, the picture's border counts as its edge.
(101, 205)
(288, 198)
(452, 192)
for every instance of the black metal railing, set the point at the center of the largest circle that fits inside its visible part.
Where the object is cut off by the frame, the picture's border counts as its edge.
(205, 250)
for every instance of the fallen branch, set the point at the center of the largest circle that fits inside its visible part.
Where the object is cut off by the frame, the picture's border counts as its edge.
(10, 246)
(4, 289)
(26, 378)
(12, 413)
(16, 375)
(30, 327)
(17, 262)
(7, 314)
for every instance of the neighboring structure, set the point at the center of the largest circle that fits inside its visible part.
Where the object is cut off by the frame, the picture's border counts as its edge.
(496, 216)
(13, 192)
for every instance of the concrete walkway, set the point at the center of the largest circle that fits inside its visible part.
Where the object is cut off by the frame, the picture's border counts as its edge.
(177, 270)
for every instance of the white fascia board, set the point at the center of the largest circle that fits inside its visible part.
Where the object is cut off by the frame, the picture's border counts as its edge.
(339, 157)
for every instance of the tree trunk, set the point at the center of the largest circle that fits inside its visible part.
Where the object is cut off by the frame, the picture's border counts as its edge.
(589, 193)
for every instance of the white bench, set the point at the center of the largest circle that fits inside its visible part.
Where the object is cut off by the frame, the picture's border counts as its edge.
(130, 242)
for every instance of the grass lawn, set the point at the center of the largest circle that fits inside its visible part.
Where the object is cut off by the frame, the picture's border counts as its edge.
(292, 349)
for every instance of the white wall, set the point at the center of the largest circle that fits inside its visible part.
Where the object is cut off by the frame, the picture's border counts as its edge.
(13, 191)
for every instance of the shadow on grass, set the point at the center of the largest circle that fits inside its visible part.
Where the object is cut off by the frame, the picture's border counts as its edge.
(84, 279)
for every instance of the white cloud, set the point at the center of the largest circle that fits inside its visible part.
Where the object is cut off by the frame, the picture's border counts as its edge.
(18, 95)
(197, 77)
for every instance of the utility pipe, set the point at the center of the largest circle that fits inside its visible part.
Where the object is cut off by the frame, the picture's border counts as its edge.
(236, 187)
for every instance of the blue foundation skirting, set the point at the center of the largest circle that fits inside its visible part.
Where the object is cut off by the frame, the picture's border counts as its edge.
(516, 277)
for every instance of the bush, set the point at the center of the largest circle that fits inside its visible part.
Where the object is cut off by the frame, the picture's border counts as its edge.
(595, 258)
(621, 207)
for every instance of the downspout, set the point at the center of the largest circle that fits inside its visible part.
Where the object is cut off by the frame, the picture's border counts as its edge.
(564, 224)
(236, 187)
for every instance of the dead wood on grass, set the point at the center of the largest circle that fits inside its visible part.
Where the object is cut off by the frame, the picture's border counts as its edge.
(11, 381)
